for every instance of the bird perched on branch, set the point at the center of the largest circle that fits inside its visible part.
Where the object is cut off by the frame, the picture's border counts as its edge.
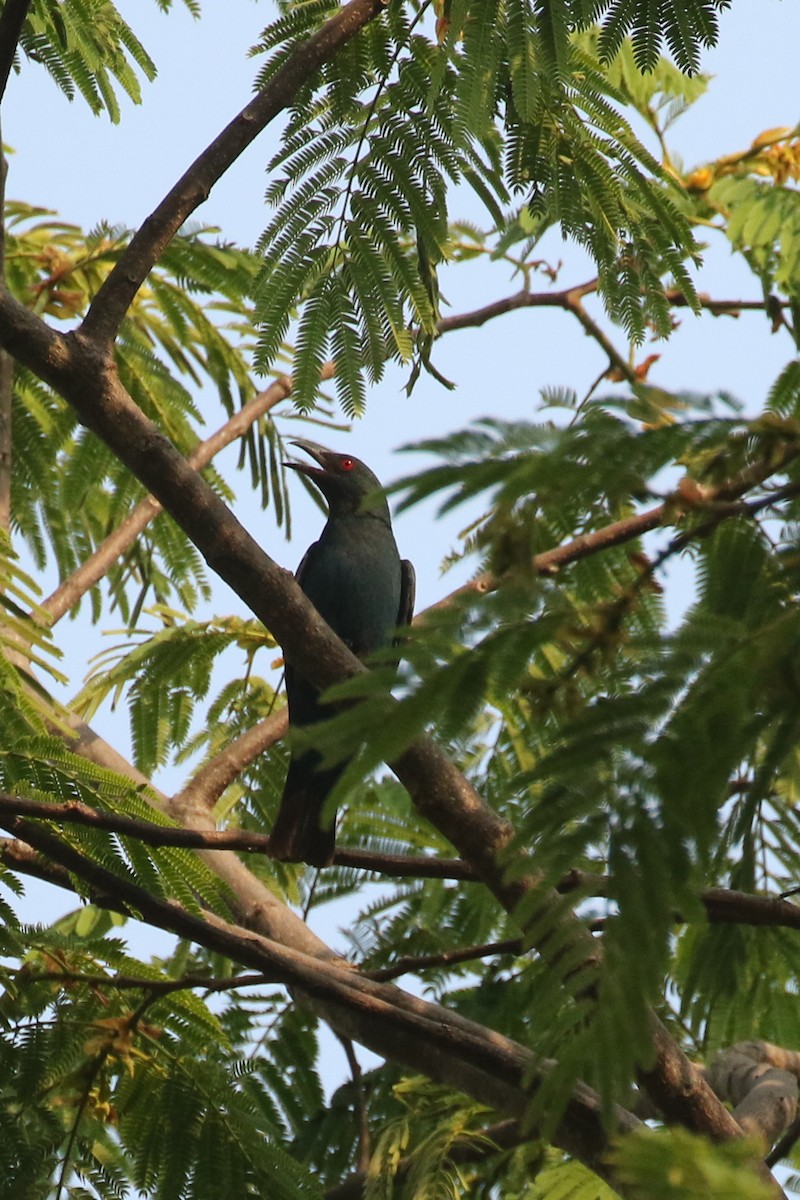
(356, 580)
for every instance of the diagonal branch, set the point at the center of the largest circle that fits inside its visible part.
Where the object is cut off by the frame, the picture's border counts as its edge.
(393, 1023)
(12, 19)
(112, 301)
(90, 572)
(208, 783)
(629, 529)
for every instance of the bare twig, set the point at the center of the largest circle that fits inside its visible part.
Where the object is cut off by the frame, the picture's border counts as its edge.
(159, 987)
(364, 1151)
(570, 298)
(447, 958)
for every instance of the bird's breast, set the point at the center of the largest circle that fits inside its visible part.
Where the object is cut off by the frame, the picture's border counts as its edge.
(353, 580)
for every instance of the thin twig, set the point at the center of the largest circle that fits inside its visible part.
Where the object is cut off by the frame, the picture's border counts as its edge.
(364, 1151)
(161, 987)
(448, 958)
(723, 905)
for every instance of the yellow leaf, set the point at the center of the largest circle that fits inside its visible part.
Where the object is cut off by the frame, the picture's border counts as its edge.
(771, 135)
(700, 180)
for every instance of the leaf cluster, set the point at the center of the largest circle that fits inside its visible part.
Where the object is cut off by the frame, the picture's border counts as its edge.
(503, 102)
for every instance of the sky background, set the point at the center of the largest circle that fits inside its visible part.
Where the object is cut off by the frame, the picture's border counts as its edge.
(89, 170)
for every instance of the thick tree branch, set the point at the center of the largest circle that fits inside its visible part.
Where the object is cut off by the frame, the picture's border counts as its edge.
(395, 1024)
(117, 292)
(209, 782)
(90, 572)
(761, 1082)
(12, 19)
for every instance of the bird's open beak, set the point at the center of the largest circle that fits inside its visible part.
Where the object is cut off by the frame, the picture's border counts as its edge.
(319, 453)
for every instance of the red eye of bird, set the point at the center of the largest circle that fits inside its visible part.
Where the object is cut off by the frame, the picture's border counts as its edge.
(346, 464)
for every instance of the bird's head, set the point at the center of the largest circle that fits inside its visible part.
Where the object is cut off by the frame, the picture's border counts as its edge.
(346, 482)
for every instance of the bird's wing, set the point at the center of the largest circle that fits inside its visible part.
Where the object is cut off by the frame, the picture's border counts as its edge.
(408, 587)
(304, 561)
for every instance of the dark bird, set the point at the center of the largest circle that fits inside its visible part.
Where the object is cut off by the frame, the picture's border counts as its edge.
(356, 580)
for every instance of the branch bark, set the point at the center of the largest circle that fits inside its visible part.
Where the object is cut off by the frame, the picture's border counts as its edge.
(90, 572)
(761, 1082)
(569, 298)
(393, 1023)
(12, 19)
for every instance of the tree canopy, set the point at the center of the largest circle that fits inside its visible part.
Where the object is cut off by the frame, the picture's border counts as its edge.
(570, 934)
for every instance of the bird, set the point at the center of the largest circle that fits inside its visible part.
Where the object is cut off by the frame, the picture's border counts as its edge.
(358, 583)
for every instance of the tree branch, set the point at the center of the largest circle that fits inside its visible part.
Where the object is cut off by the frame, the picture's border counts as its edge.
(723, 905)
(761, 1081)
(90, 572)
(159, 987)
(569, 299)
(549, 562)
(448, 958)
(12, 19)
(393, 1023)
(255, 905)
(112, 301)
(364, 1153)
(209, 782)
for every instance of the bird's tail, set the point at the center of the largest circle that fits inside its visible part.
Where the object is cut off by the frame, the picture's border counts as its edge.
(298, 834)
